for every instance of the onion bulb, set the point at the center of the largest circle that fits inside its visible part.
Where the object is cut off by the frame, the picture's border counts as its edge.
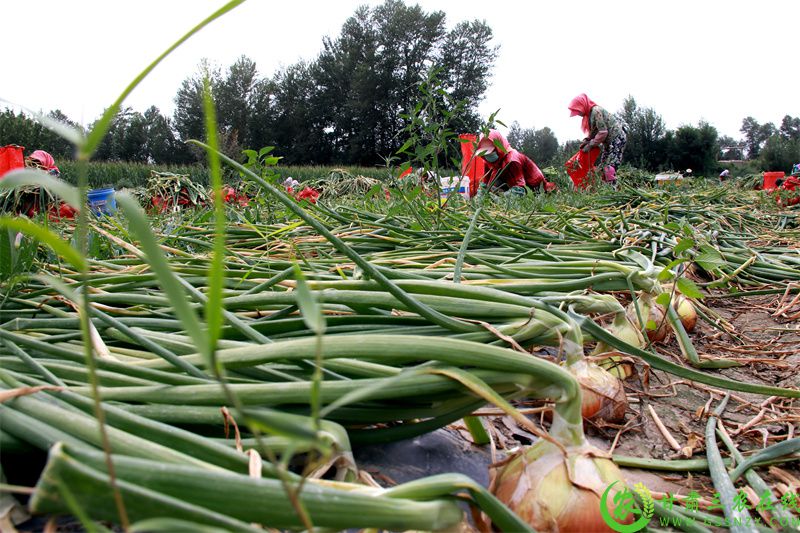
(617, 364)
(652, 313)
(623, 329)
(558, 493)
(686, 311)
(602, 394)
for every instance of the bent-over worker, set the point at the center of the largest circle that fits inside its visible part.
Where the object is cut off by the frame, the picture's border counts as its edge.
(509, 168)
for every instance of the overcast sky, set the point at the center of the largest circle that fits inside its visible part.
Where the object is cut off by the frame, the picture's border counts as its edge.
(714, 60)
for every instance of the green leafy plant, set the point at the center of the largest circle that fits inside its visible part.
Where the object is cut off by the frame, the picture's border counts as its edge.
(430, 139)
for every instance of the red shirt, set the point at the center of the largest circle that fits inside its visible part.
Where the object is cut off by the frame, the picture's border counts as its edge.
(512, 168)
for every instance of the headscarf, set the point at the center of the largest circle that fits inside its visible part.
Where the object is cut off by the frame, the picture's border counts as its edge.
(582, 105)
(46, 160)
(517, 168)
(494, 141)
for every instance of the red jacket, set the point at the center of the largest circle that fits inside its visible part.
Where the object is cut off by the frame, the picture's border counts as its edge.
(514, 168)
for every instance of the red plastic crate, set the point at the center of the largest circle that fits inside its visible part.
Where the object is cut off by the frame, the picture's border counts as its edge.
(11, 157)
(770, 179)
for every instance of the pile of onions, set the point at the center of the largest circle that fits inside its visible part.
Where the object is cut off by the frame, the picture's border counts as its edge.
(558, 493)
(603, 396)
(651, 312)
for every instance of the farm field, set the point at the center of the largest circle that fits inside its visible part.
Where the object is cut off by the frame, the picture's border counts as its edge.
(386, 349)
(236, 345)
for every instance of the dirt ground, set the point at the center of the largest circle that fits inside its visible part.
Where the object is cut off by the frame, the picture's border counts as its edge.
(766, 343)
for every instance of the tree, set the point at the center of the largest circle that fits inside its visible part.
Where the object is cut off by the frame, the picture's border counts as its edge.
(646, 130)
(347, 106)
(780, 153)
(696, 148)
(540, 145)
(28, 132)
(235, 98)
(521, 138)
(367, 79)
(466, 61)
(790, 128)
(161, 146)
(755, 135)
(188, 118)
(369, 76)
(300, 120)
(58, 145)
(125, 139)
(730, 148)
(546, 146)
(260, 119)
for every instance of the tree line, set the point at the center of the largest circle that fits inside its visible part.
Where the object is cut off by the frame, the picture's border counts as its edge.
(348, 106)
(351, 105)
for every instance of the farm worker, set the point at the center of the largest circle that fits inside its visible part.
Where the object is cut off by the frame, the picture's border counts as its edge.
(507, 167)
(790, 183)
(602, 130)
(43, 160)
(725, 174)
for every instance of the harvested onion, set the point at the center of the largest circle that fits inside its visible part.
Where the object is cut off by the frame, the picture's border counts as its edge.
(617, 364)
(652, 313)
(549, 495)
(686, 311)
(603, 396)
(623, 329)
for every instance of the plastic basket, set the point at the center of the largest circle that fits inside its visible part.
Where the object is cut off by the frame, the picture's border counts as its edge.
(102, 201)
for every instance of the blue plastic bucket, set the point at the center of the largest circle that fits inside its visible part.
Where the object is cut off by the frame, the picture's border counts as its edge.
(102, 201)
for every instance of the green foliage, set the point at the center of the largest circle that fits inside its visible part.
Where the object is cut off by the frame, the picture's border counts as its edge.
(730, 148)
(755, 135)
(430, 141)
(130, 175)
(790, 128)
(646, 133)
(780, 153)
(17, 256)
(346, 106)
(141, 138)
(695, 148)
(24, 130)
(540, 145)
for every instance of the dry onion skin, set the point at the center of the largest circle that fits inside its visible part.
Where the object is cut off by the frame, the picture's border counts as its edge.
(617, 364)
(652, 313)
(623, 329)
(603, 395)
(557, 493)
(686, 312)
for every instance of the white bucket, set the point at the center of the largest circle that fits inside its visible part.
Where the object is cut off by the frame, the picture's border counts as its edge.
(454, 183)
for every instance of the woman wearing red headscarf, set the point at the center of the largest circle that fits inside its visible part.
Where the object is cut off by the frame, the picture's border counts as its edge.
(601, 129)
(43, 160)
(507, 167)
